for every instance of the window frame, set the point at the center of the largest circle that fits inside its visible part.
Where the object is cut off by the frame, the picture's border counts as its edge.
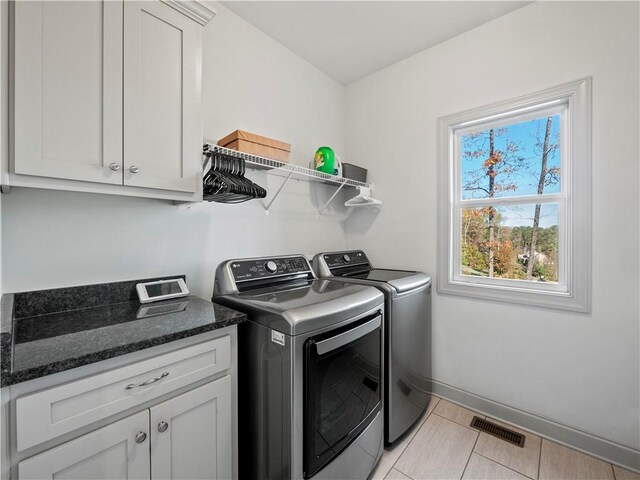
(573, 290)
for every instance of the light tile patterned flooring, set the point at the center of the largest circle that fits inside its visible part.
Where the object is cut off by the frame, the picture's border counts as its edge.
(443, 446)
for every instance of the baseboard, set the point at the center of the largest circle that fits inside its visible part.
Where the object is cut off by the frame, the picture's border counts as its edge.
(590, 444)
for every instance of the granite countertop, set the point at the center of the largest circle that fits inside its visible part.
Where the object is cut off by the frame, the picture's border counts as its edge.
(41, 333)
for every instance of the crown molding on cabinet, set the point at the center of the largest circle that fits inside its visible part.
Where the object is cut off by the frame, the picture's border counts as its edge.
(194, 9)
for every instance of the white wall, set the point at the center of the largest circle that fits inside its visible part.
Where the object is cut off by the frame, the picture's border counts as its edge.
(53, 239)
(580, 370)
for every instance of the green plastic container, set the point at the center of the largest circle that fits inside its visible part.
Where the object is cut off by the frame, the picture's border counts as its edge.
(325, 160)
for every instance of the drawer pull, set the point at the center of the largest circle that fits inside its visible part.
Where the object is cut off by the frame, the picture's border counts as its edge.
(147, 382)
(141, 437)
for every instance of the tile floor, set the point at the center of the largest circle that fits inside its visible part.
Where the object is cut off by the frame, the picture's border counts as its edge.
(443, 446)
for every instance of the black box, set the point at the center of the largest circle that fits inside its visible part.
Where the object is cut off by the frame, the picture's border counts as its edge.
(354, 172)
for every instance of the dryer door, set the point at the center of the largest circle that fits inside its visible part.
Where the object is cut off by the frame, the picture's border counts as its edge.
(343, 391)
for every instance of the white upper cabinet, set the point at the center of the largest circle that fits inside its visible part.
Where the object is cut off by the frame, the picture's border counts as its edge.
(107, 96)
(163, 132)
(68, 90)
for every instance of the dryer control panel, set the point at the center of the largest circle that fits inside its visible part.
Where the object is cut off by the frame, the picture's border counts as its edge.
(264, 268)
(343, 259)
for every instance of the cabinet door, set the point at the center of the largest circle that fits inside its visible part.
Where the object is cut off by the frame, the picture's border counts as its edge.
(108, 453)
(196, 443)
(162, 117)
(68, 90)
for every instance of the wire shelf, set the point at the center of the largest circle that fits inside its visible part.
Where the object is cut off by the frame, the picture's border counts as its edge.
(261, 163)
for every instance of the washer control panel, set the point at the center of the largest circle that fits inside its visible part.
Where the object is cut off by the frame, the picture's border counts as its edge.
(255, 269)
(343, 259)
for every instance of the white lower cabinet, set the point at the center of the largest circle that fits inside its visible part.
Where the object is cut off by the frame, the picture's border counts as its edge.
(186, 437)
(108, 453)
(190, 434)
(47, 414)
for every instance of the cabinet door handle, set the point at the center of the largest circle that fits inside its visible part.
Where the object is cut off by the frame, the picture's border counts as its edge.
(141, 437)
(114, 166)
(147, 382)
(162, 427)
(134, 169)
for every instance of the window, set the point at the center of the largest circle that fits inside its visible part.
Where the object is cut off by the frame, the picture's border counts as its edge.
(514, 200)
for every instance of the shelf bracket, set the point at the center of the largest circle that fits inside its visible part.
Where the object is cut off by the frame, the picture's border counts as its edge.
(266, 209)
(324, 207)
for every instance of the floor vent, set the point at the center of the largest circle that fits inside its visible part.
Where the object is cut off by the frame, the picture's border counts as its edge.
(498, 431)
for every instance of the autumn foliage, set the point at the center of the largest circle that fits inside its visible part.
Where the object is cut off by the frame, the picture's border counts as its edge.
(503, 161)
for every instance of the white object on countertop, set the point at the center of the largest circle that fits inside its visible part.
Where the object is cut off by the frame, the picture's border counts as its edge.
(161, 290)
(363, 199)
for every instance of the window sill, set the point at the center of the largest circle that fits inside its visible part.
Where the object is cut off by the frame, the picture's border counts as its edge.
(554, 300)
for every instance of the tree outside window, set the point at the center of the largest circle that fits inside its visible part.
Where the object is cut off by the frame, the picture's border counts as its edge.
(515, 241)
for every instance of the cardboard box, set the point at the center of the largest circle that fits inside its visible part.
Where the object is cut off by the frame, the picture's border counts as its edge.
(257, 145)
(354, 172)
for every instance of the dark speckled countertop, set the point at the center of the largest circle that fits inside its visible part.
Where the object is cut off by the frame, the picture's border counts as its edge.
(47, 332)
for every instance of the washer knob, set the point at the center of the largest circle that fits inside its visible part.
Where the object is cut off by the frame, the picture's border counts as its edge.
(271, 266)
(346, 258)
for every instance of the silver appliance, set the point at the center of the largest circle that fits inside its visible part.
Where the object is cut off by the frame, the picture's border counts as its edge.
(310, 370)
(407, 333)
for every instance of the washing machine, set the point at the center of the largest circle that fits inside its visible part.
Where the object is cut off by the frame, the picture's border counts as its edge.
(310, 370)
(407, 332)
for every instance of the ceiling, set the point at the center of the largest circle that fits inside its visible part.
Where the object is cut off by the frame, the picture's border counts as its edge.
(351, 39)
